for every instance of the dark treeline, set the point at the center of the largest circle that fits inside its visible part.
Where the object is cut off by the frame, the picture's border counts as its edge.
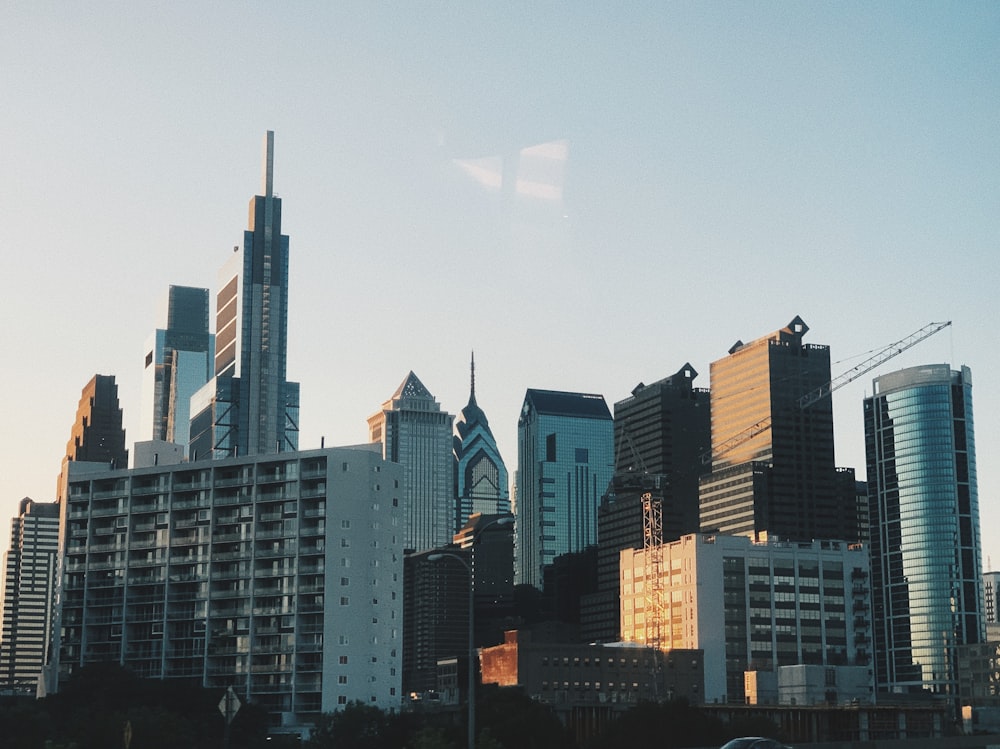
(93, 709)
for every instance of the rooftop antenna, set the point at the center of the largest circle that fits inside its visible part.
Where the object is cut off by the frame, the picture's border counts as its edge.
(267, 178)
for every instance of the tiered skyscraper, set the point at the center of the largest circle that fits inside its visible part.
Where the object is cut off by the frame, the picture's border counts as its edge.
(178, 361)
(249, 408)
(29, 595)
(97, 436)
(925, 544)
(480, 474)
(565, 461)
(417, 434)
(773, 469)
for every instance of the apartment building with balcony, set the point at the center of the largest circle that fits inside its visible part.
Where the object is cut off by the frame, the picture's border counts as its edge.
(277, 575)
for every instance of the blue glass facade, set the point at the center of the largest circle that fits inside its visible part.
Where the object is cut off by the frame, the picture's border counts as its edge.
(565, 462)
(924, 514)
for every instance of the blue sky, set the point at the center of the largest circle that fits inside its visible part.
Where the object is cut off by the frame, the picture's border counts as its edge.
(711, 171)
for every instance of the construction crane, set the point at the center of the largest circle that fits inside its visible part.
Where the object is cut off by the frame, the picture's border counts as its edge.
(652, 538)
(886, 353)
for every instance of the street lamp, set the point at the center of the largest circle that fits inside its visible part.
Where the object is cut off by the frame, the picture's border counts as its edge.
(472, 631)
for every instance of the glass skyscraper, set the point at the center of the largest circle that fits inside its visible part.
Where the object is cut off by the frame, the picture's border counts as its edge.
(177, 363)
(924, 510)
(480, 473)
(249, 408)
(565, 463)
(414, 432)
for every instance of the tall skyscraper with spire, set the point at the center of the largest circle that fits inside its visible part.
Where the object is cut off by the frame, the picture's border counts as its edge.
(416, 433)
(480, 474)
(179, 360)
(249, 408)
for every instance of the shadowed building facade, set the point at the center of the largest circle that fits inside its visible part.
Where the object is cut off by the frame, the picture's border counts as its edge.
(249, 408)
(29, 595)
(925, 542)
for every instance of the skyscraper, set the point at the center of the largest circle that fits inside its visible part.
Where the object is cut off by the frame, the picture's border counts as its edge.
(417, 434)
(97, 435)
(29, 595)
(480, 474)
(925, 545)
(661, 432)
(773, 467)
(249, 408)
(178, 361)
(565, 461)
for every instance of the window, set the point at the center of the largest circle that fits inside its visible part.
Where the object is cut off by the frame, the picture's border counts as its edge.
(345, 581)
(582, 455)
(345, 601)
(342, 699)
(343, 660)
(342, 679)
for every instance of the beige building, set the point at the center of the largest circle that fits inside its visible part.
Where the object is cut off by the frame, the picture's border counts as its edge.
(750, 606)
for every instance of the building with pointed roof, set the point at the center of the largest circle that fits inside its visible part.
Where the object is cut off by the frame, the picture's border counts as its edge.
(417, 434)
(480, 474)
(249, 407)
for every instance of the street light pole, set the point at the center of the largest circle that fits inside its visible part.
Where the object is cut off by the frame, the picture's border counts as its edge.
(472, 629)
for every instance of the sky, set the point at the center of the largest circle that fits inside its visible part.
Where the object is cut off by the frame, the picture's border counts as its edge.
(588, 196)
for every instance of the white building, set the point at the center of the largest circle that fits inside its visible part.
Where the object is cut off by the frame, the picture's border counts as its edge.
(750, 606)
(278, 575)
(28, 595)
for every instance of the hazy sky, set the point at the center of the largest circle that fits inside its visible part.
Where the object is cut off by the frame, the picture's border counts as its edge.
(589, 197)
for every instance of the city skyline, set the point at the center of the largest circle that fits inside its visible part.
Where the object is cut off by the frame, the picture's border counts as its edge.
(842, 155)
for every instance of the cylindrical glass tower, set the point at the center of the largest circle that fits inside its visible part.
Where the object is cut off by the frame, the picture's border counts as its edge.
(924, 512)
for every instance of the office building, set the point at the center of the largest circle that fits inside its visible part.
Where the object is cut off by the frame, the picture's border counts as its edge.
(925, 544)
(179, 360)
(435, 615)
(249, 407)
(991, 596)
(568, 674)
(662, 431)
(565, 462)
(481, 484)
(750, 606)
(30, 572)
(278, 575)
(773, 470)
(414, 432)
(489, 540)
(97, 435)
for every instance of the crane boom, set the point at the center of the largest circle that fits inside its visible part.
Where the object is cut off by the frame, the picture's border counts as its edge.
(884, 354)
(893, 349)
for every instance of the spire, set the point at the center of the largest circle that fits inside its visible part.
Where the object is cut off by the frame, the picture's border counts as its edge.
(472, 388)
(267, 176)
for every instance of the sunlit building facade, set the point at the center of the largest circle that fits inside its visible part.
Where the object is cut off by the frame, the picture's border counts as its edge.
(278, 575)
(773, 469)
(178, 362)
(750, 606)
(925, 537)
(249, 407)
(565, 462)
(413, 431)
